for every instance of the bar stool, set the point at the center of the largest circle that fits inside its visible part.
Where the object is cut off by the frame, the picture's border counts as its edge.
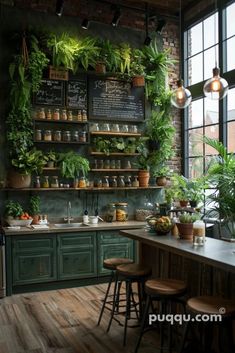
(111, 264)
(165, 291)
(131, 273)
(211, 305)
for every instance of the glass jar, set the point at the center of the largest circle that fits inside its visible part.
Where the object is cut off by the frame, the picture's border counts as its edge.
(110, 215)
(47, 135)
(79, 116)
(70, 115)
(114, 128)
(98, 183)
(45, 183)
(128, 181)
(37, 182)
(38, 135)
(127, 164)
(94, 127)
(135, 182)
(199, 232)
(84, 115)
(107, 164)
(100, 164)
(75, 136)
(66, 136)
(133, 129)
(82, 136)
(94, 164)
(56, 114)
(105, 127)
(41, 113)
(113, 182)
(112, 164)
(57, 135)
(82, 182)
(121, 182)
(48, 114)
(118, 164)
(55, 182)
(123, 128)
(64, 115)
(122, 211)
(144, 210)
(105, 182)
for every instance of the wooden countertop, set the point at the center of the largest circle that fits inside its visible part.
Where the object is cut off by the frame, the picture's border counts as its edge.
(84, 228)
(217, 253)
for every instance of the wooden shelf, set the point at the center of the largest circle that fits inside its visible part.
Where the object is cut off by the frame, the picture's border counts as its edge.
(114, 154)
(111, 133)
(87, 189)
(63, 142)
(60, 121)
(115, 170)
(50, 169)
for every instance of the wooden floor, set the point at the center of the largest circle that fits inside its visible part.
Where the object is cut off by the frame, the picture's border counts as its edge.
(63, 321)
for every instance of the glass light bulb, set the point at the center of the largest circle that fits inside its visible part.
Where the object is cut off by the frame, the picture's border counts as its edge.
(181, 97)
(216, 87)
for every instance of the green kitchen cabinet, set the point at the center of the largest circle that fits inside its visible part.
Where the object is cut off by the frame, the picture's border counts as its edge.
(77, 255)
(111, 244)
(34, 259)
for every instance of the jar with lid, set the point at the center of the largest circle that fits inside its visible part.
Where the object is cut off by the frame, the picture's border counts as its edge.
(199, 232)
(55, 182)
(122, 211)
(113, 182)
(45, 183)
(133, 129)
(128, 181)
(123, 128)
(98, 183)
(118, 164)
(105, 127)
(106, 164)
(105, 182)
(112, 164)
(41, 113)
(144, 210)
(48, 114)
(135, 182)
(56, 114)
(110, 215)
(66, 136)
(79, 116)
(100, 164)
(37, 183)
(57, 135)
(38, 135)
(127, 164)
(70, 115)
(82, 136)
(82, 182)
(75, 136)
(114, 127)
(64, 115)
(84, 115)
(47, 135)
(121, 182)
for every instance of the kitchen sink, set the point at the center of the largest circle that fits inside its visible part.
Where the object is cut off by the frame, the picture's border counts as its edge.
(68, 225)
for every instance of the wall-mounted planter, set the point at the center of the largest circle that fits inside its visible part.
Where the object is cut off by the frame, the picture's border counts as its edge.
(58, 73)
(100, 68)
(138, 81)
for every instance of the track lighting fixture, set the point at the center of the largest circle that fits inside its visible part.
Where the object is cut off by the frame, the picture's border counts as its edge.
(85, 23)
(148, 39)
(116, 17)
(161, 22)
(59, 7)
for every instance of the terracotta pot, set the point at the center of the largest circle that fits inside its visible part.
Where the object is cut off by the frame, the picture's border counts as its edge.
(18, 181)
(143, 178)
(185, 230)
(50, 164)
(183, 203)
(138, 81)
(100, 68)
(161, 181)
(35, 219)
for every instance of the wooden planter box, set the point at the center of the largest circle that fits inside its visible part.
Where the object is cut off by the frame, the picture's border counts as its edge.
(58, 73)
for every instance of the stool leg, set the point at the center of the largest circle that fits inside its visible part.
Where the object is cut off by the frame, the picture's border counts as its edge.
(119, 284)
(143, 322)
(134, 304)
(127, 315)
(115, 303)
(106, 296)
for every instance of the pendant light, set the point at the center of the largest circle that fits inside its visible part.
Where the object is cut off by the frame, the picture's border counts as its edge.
(216, 87)
(181, 96)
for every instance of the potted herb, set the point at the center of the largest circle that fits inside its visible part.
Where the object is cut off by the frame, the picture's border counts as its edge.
(107, 58)
(87, 53)
(196, 191)
(137, 68)
(131, 144)
(143, 163)
(179, 186)
(101, 144)
(13, 210)
(72, 165)
(51, 159)
(118, 144)
(162, 175)
(125, 59)
(185, 225)
(34, 208)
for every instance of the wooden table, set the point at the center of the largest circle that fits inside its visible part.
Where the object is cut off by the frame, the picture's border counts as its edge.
(209, 269)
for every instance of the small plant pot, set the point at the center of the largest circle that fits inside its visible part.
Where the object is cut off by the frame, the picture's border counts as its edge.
(193, 204)
(185, 230)
(35, 219)
(143, 177)
(138, 81)
(183, 203)
(18, 181)
(161, 181)
(100, 68)
(50, 164)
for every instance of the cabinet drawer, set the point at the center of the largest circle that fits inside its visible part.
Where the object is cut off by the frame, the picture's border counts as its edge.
(33, 244)
(111, 237)
(80, 240)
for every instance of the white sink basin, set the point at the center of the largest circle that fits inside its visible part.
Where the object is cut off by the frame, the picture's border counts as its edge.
(68, 225)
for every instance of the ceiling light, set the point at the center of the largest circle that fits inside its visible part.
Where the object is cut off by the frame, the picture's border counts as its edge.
(116, 18)
(59, 7)
(85, 23)
(181, 96)
(161, 22)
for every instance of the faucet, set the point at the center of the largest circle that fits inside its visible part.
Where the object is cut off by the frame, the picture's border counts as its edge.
(69, 217)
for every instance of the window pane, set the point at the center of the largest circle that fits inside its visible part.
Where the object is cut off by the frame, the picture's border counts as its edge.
(230, 54)
(195, 40)
(210, 31)
(211, 111)
(195, 167)
(195, 69)
(230, 15)
(195, 142)
(231, 136)
(209, 61)
(212, 132)
(196, 113)
(231, 105)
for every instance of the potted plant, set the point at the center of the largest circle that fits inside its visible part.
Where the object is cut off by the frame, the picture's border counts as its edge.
(24, 165)
(117, 144)
(179, 185)
(137, 69)
(101, 144)
(13, 210)
(34, 208)
(51, 159)
(125, 59)
(162, 175)
(143, 163)
(196, 191)
(72, 164)
(87, 52)
(131, 144)
(107, 58)
(185, 225)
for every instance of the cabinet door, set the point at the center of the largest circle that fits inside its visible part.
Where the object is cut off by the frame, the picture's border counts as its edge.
(34, 259)
(111, 244)
(77, 255)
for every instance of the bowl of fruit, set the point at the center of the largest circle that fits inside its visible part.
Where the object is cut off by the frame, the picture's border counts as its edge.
(15, 216)
(163, 225)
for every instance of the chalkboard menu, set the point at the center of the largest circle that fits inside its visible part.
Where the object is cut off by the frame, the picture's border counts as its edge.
(77, 94)
(51, 92)
(113, 99)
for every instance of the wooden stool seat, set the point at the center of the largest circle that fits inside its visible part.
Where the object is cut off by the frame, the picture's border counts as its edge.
(112, 263)
(134, 270)
(212, 305)
(165, 287)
